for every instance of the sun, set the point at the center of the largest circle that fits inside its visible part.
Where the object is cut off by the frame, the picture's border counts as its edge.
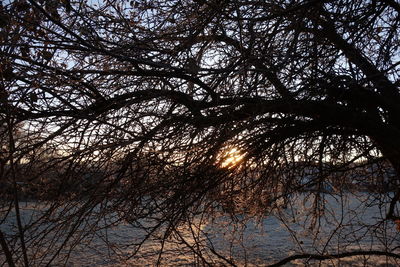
(231, 158)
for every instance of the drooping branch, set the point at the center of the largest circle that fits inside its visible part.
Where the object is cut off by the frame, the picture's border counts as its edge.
(335, 256)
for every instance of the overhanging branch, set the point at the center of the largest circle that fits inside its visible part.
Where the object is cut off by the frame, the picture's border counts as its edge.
(335, 256)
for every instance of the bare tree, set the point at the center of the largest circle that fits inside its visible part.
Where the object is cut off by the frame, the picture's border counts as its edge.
(168, 114)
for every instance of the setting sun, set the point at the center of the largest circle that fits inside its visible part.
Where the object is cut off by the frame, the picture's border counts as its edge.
(231, 158)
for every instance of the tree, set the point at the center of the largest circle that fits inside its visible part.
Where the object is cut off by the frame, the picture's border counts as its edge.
(191, 108)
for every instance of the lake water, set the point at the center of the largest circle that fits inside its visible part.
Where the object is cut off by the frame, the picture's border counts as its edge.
(354, 222)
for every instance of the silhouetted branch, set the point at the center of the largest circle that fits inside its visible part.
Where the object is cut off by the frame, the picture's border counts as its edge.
(334, 256)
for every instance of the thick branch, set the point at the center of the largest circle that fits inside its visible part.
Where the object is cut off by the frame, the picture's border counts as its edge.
(335, 256)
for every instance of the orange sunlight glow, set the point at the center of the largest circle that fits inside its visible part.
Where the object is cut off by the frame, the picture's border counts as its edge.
(231, 158)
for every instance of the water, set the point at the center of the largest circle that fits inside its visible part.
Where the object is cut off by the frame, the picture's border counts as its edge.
(355, 222)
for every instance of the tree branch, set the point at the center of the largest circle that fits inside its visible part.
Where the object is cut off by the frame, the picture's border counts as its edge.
(335, 256)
